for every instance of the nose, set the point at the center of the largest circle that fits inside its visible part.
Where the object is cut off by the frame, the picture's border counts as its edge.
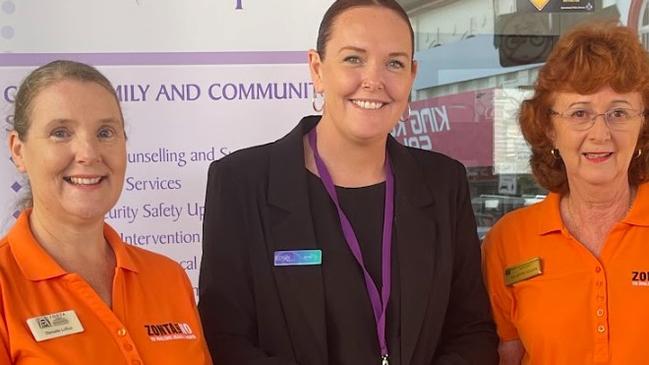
(87, 150)
(600, 131)
(373, 77)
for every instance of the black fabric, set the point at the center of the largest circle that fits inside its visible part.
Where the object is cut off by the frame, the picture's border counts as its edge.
(351, 330)
(255, 313)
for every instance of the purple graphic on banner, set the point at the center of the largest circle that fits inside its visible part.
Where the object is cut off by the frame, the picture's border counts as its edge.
(7, 32)
(16, 214)
(239, 5)
(15, 187)
(159, 58)
(8, 7)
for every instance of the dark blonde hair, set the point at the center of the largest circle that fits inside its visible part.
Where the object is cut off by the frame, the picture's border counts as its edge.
(45, 76)
(586, 59)
(38, 80)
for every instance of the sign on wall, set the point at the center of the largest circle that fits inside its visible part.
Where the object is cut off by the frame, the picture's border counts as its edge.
(197, 80)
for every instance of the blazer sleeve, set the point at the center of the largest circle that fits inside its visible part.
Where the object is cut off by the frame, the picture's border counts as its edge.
(226, 297)
(468, 334)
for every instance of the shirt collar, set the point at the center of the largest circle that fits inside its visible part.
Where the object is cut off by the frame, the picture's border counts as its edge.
(550, 214)
(36, 264)
(639, 213)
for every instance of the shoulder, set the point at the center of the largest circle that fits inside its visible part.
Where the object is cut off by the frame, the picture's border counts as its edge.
(6, 257)
(514, 231)
(525, 219)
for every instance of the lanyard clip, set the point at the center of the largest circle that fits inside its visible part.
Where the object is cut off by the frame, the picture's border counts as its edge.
(384, 360)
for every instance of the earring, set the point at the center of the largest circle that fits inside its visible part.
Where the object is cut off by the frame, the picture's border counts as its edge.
(314, 101)
(555, 153)
(638, 153)
(407, 116)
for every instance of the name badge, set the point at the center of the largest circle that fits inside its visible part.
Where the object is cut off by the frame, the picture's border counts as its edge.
(523, 271)
(54, 325)
(298, 258)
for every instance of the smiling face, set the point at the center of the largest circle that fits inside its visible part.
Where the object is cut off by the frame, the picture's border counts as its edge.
(366, 74)
(74, 152)
(599, 156)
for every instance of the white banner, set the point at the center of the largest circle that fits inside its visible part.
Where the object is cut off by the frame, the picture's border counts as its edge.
(197, 80)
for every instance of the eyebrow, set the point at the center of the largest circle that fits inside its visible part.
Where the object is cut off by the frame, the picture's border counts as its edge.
(361, 50)
(618, 101)
(64, 121)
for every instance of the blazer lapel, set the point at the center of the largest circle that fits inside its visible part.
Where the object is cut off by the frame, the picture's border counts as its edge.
(415, 231)
(300, 288)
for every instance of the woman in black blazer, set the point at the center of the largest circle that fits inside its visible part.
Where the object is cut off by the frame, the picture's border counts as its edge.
(336, 244)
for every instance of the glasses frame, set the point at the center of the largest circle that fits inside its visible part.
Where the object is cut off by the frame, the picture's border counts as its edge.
(605, 116)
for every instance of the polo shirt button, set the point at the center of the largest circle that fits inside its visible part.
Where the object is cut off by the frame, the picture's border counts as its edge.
(598, 269)
(601, 329)
(128, 347)
(121, 332)
(600, 312)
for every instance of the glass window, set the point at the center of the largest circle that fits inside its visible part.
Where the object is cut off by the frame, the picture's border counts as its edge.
(478, 60)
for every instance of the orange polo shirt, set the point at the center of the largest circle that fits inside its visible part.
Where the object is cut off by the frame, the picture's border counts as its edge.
(582, 310)
(153, 319)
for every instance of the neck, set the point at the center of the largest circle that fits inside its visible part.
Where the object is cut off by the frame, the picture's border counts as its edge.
(64, 240)
(597, 203)
(350, 163)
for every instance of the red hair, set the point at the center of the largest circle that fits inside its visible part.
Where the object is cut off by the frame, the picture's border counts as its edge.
(585, 60)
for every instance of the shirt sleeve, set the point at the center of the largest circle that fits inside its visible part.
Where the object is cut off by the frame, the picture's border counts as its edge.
(500, 296)
(5, 355)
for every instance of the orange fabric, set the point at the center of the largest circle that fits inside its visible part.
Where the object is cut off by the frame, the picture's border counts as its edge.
(152, 299)
(581, 310)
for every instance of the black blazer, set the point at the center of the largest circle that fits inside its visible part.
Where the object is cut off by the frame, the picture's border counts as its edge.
(254, 313)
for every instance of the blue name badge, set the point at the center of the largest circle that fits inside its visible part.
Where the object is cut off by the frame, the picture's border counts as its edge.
(298, 258)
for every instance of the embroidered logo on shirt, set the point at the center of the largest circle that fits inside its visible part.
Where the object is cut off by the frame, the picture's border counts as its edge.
(169, 331)
(640, 278)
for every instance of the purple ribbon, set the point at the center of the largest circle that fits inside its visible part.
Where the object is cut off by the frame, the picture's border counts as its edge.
(379, 302)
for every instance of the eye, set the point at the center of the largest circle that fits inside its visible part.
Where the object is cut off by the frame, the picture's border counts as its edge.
(396, 64)
(60, 133)
(578, 114)
(354, 60)
(620, 114)
(106, 133)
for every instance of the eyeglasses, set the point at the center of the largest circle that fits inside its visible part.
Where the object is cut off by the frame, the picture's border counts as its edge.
(583, 119)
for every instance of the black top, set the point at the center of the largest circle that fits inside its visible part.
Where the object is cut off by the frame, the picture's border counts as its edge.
(351, 330)
(255, 313)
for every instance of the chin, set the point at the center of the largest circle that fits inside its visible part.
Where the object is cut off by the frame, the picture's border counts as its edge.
(89, 211)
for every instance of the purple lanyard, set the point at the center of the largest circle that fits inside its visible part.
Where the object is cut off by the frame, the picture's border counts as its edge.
(379, 303)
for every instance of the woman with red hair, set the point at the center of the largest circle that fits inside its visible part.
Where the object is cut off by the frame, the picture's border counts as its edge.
(567, 278)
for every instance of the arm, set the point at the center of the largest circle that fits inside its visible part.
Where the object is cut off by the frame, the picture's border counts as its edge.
(5, 355)
(468, 335)
(202, 354)
(511, 349)
(511, 352)
(227, 303)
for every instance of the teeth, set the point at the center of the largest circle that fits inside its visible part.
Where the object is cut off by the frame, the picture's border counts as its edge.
(84, 180)
(596, 155)
(367, 104)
